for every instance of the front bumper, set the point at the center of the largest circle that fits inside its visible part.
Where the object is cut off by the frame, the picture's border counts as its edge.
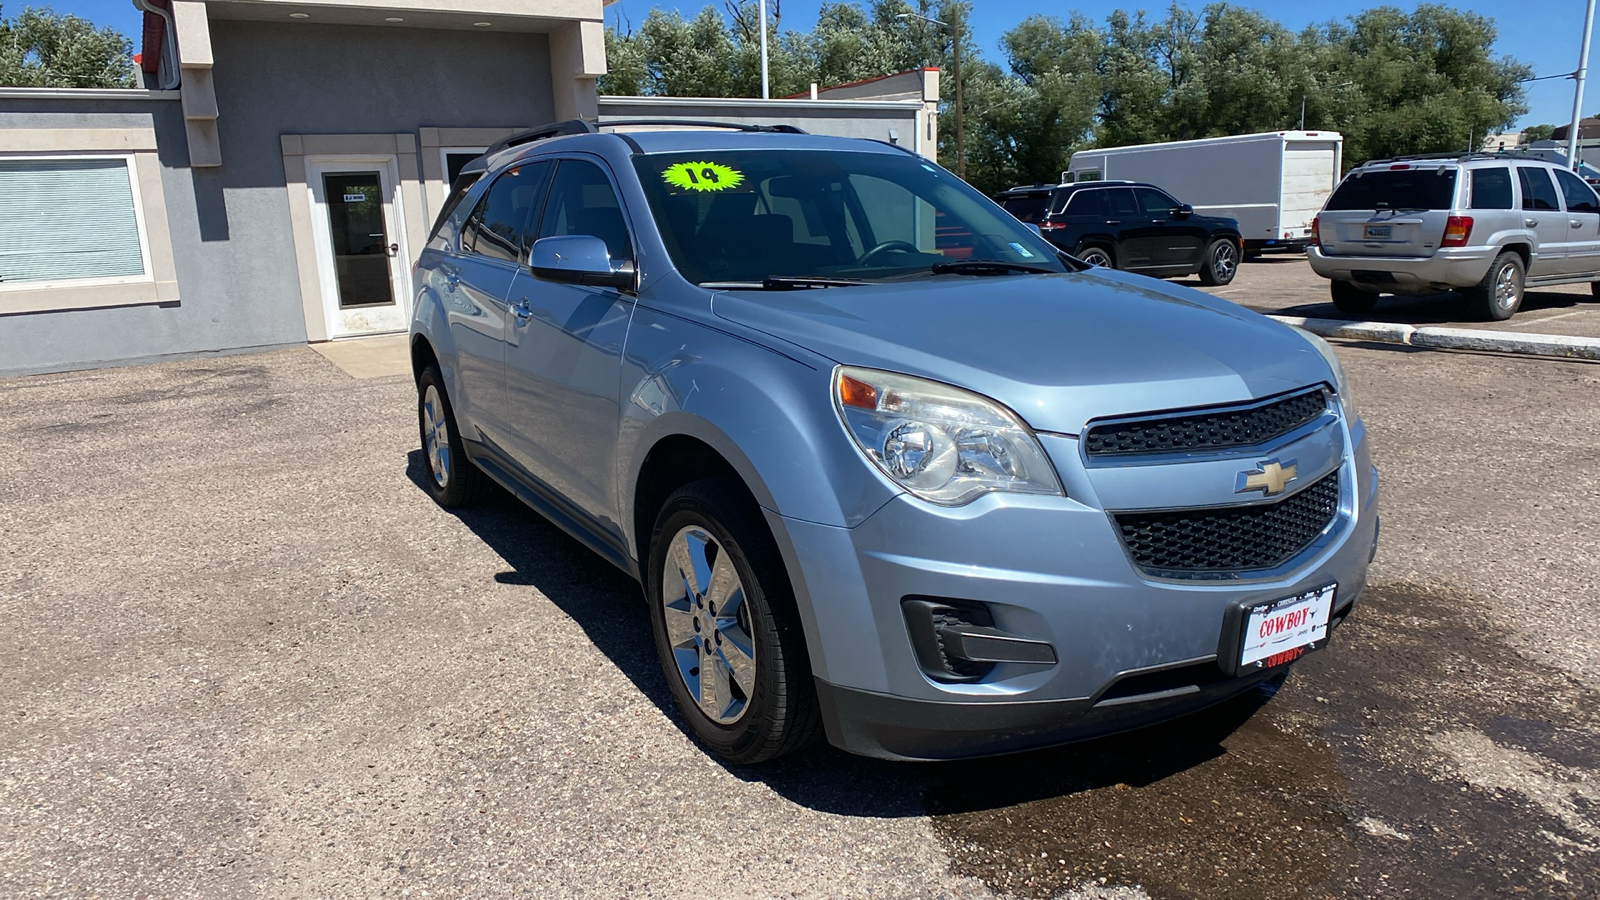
(1129, 649)
(1446, 269)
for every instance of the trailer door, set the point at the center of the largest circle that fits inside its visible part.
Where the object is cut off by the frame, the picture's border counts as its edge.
(1310, 172)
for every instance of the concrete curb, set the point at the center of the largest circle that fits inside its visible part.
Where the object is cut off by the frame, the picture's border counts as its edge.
(1442, 338)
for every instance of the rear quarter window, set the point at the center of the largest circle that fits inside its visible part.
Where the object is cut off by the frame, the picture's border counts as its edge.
(1396, 189)
(1028, 208)
(1491, 189)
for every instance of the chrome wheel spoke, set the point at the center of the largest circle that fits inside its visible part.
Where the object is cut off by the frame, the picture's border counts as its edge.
(680, 623)
(737, 654)
(723, 588)
(715, 696)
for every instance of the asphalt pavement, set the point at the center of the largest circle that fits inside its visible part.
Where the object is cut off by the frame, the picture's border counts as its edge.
(246, 656)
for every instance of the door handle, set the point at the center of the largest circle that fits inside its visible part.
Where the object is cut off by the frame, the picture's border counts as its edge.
(1575, 223)
(1530, 222)
(1113, 221)
(392, 250)
(522, 310)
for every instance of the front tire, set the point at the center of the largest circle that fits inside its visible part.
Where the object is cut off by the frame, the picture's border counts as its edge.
(1499, 295)
(1351, 300)
(727, 629)
(451, 478)
(1220, 263)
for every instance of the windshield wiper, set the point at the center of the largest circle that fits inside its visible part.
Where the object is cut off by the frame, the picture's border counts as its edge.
(986, 267)
(783, 283)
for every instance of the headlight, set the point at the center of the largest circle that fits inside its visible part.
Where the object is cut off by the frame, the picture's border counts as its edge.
(1346, 401)
(941, 443)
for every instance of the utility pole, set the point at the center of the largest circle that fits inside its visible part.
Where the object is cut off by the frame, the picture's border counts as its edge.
(765, 94)
(955, 40)
(1577, 91)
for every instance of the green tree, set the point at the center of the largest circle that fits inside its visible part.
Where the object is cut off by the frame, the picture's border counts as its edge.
(42, 48)
(1537, 133)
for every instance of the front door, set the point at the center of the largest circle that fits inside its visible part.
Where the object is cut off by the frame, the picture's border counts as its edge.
(564, 352)
(361, 258)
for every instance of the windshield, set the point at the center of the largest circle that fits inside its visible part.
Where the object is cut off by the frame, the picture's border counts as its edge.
(1401, 189)
(748, 215)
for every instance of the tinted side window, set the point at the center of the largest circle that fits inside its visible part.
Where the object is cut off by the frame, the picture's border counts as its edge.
(1089, 203)
(498, 225)
(582, 201)
(1154, 202)
(1122, 203)
(1537, 191)
(1491, 189)
(1580, 197)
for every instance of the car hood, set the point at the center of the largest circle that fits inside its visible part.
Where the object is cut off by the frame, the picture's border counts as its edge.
(1058, 349)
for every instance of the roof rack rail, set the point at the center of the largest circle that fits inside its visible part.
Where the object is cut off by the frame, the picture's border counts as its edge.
(592, 126)
(1460, 154)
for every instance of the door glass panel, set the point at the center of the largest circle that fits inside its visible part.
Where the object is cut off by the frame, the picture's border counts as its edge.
(1580, 197)
(360, 240)
(1154, 202)
(1122, 202)
(582, 201)
(1537, 191)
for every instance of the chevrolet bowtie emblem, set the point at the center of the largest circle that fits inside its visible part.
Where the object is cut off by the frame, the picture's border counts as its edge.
(1271, 477)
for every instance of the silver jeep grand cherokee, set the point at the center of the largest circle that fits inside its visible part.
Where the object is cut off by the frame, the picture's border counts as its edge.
(888, 466)
(1488, 225)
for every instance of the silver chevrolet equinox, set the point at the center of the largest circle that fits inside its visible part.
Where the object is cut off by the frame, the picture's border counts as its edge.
(1485, 224)
(888, 466)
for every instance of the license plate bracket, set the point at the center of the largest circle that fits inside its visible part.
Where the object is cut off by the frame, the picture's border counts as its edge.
(1377, 232)
(1257, 636)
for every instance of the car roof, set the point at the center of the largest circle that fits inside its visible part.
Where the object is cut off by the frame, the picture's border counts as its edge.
(1023, 190)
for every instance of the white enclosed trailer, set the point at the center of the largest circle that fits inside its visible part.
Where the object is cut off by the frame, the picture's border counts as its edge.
(1272, 183)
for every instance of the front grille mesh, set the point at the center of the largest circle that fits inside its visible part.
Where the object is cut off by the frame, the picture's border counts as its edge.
(1212, 429)
(1235, 539)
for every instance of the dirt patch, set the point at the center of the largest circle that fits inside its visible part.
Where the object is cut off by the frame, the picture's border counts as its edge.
(1341, 786)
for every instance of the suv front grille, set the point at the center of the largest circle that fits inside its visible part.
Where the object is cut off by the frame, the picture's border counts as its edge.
(1210, 429)
(1230, 539)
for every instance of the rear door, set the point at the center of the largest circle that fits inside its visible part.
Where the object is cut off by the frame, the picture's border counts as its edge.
(1136, 238)
(1542, 214)
(1083, 221)
(1583, 224)
(1396, 211)
(477, 279)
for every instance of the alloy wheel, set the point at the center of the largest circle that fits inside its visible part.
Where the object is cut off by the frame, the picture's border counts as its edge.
(1224, 262)
(1096, 258)
(1506, 289)
(708, 625)
(436, 436)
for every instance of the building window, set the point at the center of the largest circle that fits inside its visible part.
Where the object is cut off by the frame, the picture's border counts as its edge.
(69, 219)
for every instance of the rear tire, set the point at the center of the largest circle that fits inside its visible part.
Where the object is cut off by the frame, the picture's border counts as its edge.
(1351, 300)
(1099, 257)
(1220, 263)
(451, 478)
(1499, 295)
(740, 674)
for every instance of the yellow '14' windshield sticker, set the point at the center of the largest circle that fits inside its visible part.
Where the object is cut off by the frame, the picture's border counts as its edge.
(702, 176)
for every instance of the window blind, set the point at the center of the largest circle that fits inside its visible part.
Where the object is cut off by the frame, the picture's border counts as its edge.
(62, 219)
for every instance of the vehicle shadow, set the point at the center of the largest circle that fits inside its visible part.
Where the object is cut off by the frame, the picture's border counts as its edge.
(607, 605)
(1447, 308)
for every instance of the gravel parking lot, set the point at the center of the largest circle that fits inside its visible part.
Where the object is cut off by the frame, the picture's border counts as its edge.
(246, 656)
(1283, 283)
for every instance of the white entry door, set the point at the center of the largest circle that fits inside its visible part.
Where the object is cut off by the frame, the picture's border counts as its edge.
(362, 259)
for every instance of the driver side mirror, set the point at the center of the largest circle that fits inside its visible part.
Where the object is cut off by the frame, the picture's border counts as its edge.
(1182, 211)
(579, 259)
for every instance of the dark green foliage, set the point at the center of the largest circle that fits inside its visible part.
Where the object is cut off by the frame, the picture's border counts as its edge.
(1392, 82)
(42, 48)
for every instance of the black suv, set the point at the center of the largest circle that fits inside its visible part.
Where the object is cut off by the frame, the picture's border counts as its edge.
(1132, 226)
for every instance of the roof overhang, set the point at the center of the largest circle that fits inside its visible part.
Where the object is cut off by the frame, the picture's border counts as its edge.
(489, 15)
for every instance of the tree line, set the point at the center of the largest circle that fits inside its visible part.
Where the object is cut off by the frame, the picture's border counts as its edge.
(42, 48)
(1392, 82)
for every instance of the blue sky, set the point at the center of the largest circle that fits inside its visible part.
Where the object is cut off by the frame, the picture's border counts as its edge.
(1544, 34)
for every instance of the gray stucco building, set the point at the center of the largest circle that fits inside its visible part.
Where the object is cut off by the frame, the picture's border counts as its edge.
(269, 187)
